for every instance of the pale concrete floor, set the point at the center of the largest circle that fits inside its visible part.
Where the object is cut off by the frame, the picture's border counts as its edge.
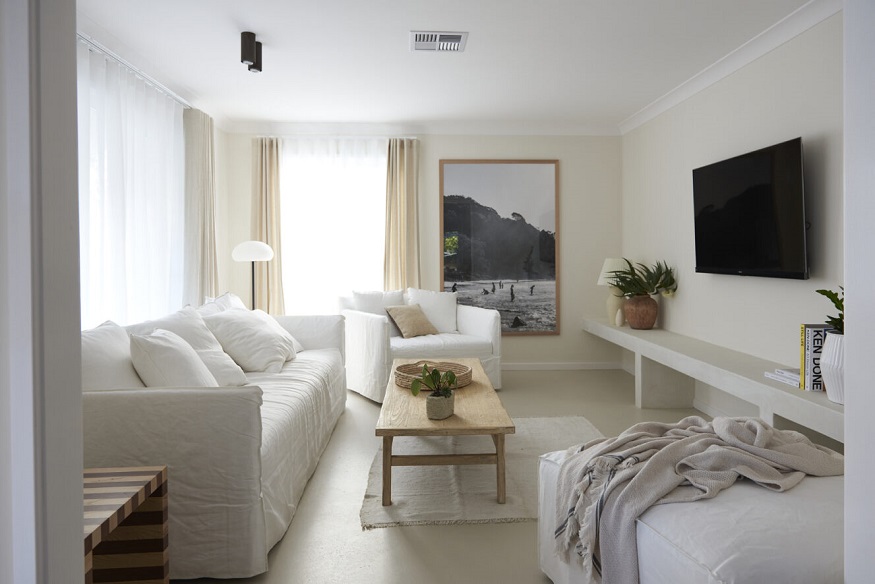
(325, 543)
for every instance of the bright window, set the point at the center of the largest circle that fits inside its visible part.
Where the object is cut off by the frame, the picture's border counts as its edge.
(333, 206)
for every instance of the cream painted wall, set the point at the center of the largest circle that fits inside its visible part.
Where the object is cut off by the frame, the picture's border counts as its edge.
(589, 187)
(795, 90)
(234, 210)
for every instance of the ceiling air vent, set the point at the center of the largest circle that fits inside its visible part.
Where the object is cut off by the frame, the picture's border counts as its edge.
(437, 42)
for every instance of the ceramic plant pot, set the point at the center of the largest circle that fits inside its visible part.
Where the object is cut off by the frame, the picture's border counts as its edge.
(832, 366)
(438, 408)
(641, 312)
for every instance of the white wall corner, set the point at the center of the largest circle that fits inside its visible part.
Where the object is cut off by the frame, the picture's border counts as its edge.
(805, 17)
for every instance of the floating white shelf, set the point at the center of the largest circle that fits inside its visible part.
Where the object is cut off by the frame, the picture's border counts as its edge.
(668, 364)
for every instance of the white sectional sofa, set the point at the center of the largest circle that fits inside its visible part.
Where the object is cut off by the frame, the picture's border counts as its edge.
(238, 456)
(373, 341)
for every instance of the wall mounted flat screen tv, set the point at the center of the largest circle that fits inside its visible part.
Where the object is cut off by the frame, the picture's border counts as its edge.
(750, 214)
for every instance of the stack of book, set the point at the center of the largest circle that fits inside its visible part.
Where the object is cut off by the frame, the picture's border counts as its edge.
(811, 341)
(787, 375)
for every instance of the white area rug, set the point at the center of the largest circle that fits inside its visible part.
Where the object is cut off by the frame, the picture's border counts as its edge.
(443, 495)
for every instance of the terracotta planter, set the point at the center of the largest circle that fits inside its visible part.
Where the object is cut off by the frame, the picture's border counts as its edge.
(438, 408)
(641, 312)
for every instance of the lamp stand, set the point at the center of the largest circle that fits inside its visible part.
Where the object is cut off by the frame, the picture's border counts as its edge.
(615, 307)
(253, 286)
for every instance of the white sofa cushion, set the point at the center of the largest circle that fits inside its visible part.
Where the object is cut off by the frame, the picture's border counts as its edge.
(106, 359)
(439, 307)
(377, 302)
(190, 325)
(164, 359)
(442, 345)
(254, 339)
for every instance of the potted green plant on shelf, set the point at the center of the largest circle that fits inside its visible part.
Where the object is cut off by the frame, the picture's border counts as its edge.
(832, 358)
(639, 283)
(439, 404)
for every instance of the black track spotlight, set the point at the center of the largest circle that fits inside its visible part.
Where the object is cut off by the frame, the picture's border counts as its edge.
(256, 66)
(248, 49)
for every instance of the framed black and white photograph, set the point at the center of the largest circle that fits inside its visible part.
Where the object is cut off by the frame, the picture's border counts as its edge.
(500, 240)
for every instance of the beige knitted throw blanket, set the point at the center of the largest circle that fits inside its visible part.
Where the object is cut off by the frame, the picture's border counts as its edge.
(606, 484)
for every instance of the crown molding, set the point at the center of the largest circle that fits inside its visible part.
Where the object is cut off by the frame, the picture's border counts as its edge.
(497, 128)
(805, 17)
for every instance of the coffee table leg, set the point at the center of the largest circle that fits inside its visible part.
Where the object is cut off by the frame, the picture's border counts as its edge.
(387, 471)
(499, 466)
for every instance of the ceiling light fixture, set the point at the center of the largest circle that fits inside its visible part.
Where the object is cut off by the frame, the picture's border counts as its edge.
(247, 48)
(256, 66)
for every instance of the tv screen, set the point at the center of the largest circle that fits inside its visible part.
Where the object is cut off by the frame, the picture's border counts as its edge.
(750, 214)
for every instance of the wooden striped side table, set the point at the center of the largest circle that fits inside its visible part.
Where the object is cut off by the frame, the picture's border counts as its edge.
(126, 525)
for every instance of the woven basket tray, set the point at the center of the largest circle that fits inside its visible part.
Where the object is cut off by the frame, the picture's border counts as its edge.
(405, 374)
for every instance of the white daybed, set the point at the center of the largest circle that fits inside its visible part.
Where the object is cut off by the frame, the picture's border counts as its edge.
(746, 534)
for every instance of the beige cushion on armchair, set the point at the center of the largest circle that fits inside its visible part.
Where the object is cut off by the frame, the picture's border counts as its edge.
(411, 320)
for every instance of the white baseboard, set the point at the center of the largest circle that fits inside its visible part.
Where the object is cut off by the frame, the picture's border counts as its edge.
(576, 366)
(709, 409)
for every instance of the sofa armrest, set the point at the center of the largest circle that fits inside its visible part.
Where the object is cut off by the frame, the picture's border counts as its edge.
(210, 440)
(480, 322)
(323, 331)
(369, 358)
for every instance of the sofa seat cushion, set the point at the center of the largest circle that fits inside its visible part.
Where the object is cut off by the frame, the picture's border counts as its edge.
(299, 408)
(442, 345)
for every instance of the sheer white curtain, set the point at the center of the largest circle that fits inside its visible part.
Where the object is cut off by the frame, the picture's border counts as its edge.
(333, 194)
(131, 194)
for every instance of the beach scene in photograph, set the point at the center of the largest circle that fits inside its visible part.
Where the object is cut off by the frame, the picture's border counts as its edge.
(500, 241)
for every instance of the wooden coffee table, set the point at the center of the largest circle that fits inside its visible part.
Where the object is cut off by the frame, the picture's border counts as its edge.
(478, 412)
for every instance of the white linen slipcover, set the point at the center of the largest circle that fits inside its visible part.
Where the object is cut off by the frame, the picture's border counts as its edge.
(238, 457)
(297, 418)
(371, 348)
(745, 534)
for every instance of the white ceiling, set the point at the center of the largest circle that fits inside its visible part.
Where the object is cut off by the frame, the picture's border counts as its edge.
(552, 66)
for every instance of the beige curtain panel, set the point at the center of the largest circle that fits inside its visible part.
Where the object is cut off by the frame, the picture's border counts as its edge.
(201, 266)
(266, 223)
(401, 265)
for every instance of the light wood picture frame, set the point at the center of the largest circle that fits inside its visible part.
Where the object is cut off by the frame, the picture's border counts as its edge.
(500, 240)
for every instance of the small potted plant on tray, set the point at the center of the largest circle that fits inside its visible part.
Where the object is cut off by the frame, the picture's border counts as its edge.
(439, 404)
(639, 283)
(832, 359)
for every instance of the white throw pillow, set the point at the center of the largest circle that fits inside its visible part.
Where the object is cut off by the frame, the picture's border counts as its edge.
(377, 303)
(223, 367)
(254, 339)
(163, 359)
(226, 301)
(190, 325)
(106, 359)
(439, 307)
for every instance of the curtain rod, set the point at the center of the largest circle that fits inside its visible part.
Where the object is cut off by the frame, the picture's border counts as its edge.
(337, 136)
(96, 46)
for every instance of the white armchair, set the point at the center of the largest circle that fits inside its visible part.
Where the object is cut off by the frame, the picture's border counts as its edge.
(372, 344)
